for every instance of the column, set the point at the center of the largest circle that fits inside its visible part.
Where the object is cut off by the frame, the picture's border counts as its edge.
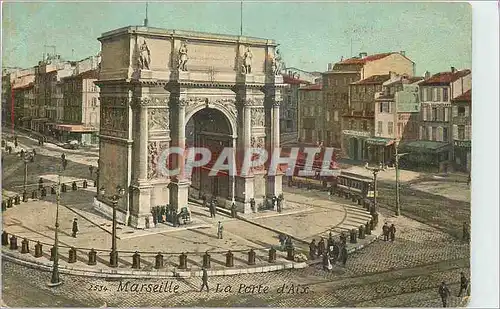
(180, 188)
(181, 137)
(143, 141)
(276, 125)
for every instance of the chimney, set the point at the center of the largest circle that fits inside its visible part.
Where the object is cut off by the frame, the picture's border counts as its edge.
(453, 70)
(330, 67)
(427, 74)
(403, 53)
(341, 58)
(363, 55)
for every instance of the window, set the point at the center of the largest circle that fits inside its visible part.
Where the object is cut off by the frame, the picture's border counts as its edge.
(384, 107)
(365, 125)
(445, 134)
(327, 115)
(390, 127)
(428, 94)
(461, 132)
(351, 124)
(434, 94)
(379, 127)
(434, 114)
(445, 94)
(434, 134)
(438, 94)
(461, 111)
(335, 115)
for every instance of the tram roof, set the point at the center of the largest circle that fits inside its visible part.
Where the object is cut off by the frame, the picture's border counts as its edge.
(355, 176)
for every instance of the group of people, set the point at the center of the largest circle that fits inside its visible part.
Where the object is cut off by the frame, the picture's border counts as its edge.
(444, 292)
(389, 232)
(330, 252)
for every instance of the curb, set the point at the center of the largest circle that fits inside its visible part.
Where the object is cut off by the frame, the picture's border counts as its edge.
(141, 274)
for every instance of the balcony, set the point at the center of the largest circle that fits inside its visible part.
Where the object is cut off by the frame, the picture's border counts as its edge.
(461, 120)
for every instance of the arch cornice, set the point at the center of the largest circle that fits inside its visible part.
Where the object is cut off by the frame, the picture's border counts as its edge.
(225, 106)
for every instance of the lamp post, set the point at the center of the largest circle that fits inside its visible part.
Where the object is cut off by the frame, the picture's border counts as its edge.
(27, 158)
(55, 281)
(396, 165)
(375, 171)
(113, 256)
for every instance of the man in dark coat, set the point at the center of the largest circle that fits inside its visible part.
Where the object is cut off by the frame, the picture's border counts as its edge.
(334, 252)
(75, 227)
(204, 278)
(211, 208)
(91, 170)
(321, 246)
(344, 255)
(444, 292)
(385, 231)
(312, 249)
(233, 210)
(330, 242)
(464, 285)
(343, 239)
(466, 232)
(392, 232)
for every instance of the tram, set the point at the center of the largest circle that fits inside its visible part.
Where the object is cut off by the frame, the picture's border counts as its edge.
(356, 187)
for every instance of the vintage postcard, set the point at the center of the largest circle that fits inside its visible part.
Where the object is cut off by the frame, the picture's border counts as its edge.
(220, 154)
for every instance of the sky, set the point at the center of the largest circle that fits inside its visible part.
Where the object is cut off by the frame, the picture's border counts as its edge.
(436, 36)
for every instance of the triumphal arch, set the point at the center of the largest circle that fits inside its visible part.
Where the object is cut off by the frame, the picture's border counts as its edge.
(168, 88)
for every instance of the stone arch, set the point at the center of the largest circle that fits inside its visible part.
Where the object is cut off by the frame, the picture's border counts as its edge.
(229, 113)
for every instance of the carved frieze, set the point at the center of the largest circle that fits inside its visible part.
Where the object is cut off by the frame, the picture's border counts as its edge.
(258, 142)
(114, 101)
(113, 120)
(155, 149)
(158, 119)
(257, 117)
(254, 102)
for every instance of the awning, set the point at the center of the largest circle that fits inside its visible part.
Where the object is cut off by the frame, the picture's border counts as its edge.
(379, 141)
(75, 128)
(432, 146)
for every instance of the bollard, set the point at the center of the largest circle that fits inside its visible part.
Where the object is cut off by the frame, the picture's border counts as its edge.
(272, 255)
(375, 219)
(136, 260)
(4, 205)
(92, 257)
(25, 196)
(229, 259)
(40, 184)
(372, 224)
(52, 253)
(13, 243)
(9, 203)
(38, 250)
(34, 195)
(52, 190)
(25, 246)
(72, 255)
(5, 238)
(206, 260)
(63, 187)
(95, 183)
(353, 236)
(290, 253)
(159, 261)
(251, 257)
(361, 234)
(44, 192)
(182, 261)
(74, 187)
(368, 231)
(85, 184)
(17, 200)
(359, 201)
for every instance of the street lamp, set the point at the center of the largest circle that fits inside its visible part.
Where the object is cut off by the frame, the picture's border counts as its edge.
(27, 157)
(113, 256)
(396, 165)
(375, 171)
(55, 281)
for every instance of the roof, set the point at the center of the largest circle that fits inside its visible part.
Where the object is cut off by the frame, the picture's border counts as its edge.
(287, 79)
(464, 97)
(369, 58)
(444, 78)
(425, 145)
(373, 80)
(312, 87)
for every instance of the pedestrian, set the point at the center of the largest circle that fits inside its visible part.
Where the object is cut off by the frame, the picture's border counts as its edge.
(385, 231)
(204, 198)
(204, 278)
(219, 230)
(330, 241)
(34, 152)
(444, 292)
(274, 201)
(282, 239)
(63, 157)
(468, 180)
(466, 232)
(288, 242)
(343, 239)
(91, 170)
(252, 204)
(15, 143)
(64, 164)
(344, 255)
(464, 285)
(75, 227)
(233, 210)
(312, 249)
(321, 246)
(392, 232)
(22, 153)
(327, 265)
(334, 252)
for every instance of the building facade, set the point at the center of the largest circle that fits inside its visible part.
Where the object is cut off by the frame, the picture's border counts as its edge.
(336, 83)
(171, 88)
(311, 115)
(289, 108)
(462, 133)
(435, 134)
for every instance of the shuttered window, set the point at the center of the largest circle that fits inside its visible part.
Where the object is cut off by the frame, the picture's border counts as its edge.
(455, 132)
(455, 111)
(446, 113)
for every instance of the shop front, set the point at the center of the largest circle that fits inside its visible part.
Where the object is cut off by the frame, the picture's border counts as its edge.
(70, 132)
(381, 150)
(425, 155)
(462, 154)
(355, 144)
